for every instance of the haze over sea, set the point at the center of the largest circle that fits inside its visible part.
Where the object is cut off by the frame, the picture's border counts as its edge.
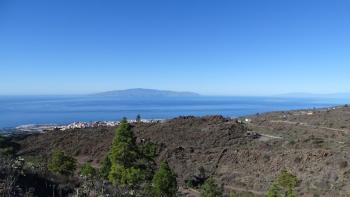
(21, 110)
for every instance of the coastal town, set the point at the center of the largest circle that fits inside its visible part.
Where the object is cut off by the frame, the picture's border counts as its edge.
(40, 128)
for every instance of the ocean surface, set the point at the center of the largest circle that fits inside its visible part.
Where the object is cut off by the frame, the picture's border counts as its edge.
(22, 110)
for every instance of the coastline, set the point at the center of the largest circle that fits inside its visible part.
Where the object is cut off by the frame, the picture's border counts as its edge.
(62, 111)
(41, 128)
(45, 127)
(249, 144)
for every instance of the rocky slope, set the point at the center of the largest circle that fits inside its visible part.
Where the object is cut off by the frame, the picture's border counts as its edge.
(312, 144)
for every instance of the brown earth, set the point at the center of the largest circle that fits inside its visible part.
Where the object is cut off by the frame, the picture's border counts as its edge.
(312, 144)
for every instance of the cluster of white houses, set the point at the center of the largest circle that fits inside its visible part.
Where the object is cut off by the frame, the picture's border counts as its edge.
(81, 125)
(34, 128)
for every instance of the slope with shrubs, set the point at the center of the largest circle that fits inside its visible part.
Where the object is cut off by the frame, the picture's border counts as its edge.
(242, 158)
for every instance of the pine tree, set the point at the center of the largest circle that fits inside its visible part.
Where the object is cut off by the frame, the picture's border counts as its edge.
(124, 149)
(164, 182)
(123, 156)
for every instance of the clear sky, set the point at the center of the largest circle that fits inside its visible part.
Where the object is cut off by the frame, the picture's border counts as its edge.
(221, 47)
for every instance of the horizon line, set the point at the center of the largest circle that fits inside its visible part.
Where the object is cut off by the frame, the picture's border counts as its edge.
(285, 94)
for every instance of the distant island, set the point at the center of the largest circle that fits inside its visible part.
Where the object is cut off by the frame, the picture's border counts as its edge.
(148, 93)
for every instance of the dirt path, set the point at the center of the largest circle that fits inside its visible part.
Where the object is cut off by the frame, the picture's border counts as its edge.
(245, 190)
(189, 192)
(270, 136)
(267, 137)
(194, 192)
(308, 125)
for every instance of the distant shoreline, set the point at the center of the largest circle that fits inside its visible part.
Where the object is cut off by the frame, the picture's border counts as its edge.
(47, 113)
(41, 128)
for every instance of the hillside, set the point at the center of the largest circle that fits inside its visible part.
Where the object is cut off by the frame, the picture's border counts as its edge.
(312, 144)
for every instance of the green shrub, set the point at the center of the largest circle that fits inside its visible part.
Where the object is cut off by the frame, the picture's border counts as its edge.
(7, 151)
(210, 189)
(61, 163)
(87, 170)
(2, 140)
(164, 182)
(198, 179)
(105, 167)
(5, 147)
(284, 185)
(189, 183)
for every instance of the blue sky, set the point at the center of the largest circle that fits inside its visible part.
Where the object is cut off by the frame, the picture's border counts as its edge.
(233, 47)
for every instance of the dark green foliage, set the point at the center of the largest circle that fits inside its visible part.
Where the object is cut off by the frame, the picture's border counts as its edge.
(87, 170)
(5, 147)
(8, 151)
(198, 179)
(274, 191)
(19, 178)
(147, 190)
(105, 167)
(123, 156)
(284, 185)
(189, 183)
(210, 189)
(2, 140)
(128, 164)
(147, 167)
(164, 181)
(149, 150)
(61, 163)
(124, 176)
(123, 150)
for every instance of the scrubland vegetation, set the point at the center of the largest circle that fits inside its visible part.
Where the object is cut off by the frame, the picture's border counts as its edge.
(276, 154)
(128, 169)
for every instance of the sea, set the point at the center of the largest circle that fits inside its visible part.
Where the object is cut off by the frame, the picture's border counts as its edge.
(23, 110)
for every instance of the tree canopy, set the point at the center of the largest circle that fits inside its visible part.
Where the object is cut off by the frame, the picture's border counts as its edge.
(123, 156)
(164, 181)
(61, 163)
